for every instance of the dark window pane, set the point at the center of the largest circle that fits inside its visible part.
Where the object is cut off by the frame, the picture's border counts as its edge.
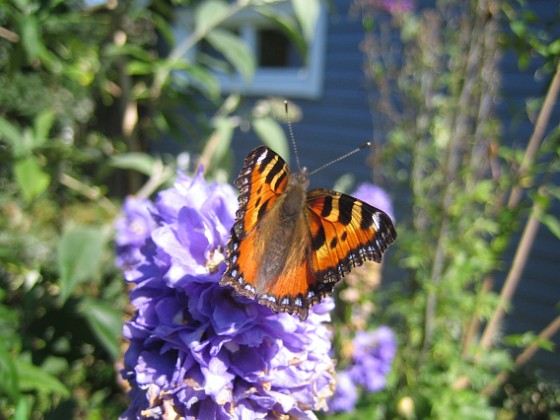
(276, 50)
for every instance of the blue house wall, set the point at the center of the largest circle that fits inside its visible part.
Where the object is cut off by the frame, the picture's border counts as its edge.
(341, 119)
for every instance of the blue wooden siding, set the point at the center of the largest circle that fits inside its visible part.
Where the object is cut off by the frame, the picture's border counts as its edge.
(341, 119)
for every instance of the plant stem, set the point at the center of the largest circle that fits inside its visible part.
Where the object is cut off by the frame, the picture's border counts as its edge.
(536, 137)
(532, 225)
(545, 334)
(92, 193)
(512, 280)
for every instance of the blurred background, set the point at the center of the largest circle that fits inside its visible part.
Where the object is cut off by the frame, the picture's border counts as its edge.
(100, 100)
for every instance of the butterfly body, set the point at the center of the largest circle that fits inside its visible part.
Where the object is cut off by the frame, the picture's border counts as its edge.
(289, 247)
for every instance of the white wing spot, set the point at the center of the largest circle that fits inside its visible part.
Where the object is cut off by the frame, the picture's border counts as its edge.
(269, 298)
(261, 157)
(375, 220)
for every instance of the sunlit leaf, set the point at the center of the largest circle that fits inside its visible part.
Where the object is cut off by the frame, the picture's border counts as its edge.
(8, 375)
(204, 80)
(11, 134)
(22, 410)
(79, 257)
(140, 162)
(234, 50)
(344, 183)
(43, 124)
(223, 135)
(552, 223)
(307, 13)
(33, 378)
(31, 38)
(209, 14)
(289, 25)
(528, 339)
(271, 134)
(31, 178)
(139, 68)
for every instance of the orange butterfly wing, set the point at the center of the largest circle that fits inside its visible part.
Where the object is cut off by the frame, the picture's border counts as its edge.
(261, 183)
(262, 180)
(346, 232)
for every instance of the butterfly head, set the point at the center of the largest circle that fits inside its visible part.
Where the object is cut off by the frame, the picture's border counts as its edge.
(300, 178)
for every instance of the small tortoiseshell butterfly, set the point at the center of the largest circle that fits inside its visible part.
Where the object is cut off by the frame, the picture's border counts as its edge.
(289, 248)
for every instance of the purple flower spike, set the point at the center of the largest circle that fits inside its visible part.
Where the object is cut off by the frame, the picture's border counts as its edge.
(133, 228)
(373, 355)
(346, 393)
(195, 350)
(394, 6)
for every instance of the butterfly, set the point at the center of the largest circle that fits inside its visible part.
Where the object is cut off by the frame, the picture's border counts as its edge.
(288, 247)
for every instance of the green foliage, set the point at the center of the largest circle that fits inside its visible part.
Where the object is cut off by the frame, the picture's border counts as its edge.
(79, 257)
(468, 191)
(86, 91)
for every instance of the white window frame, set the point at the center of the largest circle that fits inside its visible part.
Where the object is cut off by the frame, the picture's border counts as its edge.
(304, 82)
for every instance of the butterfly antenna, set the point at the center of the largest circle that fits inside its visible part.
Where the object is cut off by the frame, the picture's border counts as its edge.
(292, 137)
(338, 159)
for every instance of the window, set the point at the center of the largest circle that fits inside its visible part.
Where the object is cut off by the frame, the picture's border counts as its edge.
(281, 70)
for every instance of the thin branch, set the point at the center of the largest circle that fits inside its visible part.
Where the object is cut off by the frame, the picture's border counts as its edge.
(9, 35)
(460, 124)
(513, 277)
(92, 193)
(529, 352)
(532, 225)
(160, 174)
(536, 137)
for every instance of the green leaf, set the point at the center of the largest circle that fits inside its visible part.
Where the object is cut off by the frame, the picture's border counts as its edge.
(30, 35)
(528, 339)
(271, 134)
(139, 68)
(289, 25)
(344, 183)
(552, 223)
(519, 28)
(11, 134)
(209, 14)
(307, 13)
(140, 162)
(31, 179)
(8, 375)
(33, 378)
(79, 257)
(43, 124)
(234, 50)
(205, 81)
(224, 132)
(106, 323)
(23, 410)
